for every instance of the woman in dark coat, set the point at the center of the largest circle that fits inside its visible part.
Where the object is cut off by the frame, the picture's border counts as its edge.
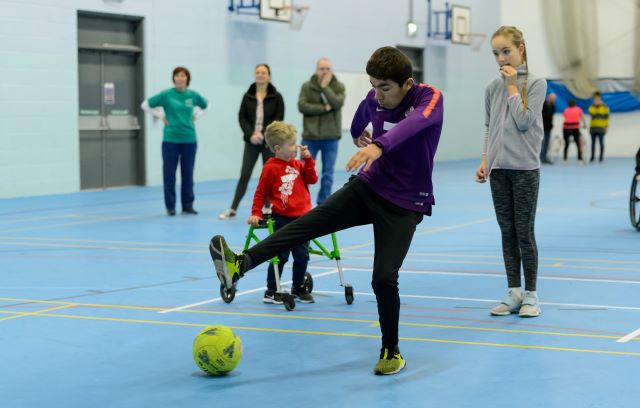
(261, 105)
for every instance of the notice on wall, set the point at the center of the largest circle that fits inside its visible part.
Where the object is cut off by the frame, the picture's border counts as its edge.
(109, 92)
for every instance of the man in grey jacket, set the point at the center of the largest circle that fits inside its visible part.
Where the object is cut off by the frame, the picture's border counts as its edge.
(320, 102)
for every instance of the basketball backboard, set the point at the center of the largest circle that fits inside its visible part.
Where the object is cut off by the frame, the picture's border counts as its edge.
(460, 24)
(276, 10)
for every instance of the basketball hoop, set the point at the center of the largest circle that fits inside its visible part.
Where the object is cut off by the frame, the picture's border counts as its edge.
(475, 40)
(298, 15)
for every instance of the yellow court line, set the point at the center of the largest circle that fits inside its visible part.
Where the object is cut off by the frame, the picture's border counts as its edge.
(23, 314)
(149, 249)
(356, 335)
(319, 318)
(146, 247)
(100, 241)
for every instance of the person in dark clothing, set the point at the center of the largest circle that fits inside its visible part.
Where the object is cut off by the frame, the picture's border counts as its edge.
(261, 105)
(548, 110)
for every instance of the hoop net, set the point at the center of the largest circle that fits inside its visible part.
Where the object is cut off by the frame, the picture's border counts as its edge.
(298, 15)
(475, 40)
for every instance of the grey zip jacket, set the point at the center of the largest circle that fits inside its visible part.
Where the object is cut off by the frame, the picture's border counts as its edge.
(514, 136)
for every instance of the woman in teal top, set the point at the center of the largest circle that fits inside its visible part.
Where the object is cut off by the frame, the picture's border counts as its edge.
(179, 140)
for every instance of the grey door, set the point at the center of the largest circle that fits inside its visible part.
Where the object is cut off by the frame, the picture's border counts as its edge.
(111, 149)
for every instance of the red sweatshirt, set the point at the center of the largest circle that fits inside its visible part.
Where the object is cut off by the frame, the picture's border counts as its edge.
(286, 185)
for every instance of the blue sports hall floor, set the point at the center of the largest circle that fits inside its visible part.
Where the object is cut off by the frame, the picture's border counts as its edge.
(102, 294)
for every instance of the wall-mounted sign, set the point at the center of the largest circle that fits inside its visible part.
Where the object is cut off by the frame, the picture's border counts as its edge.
(109, 92)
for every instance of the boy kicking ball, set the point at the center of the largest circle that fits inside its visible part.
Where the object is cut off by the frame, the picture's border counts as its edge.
(393, 190)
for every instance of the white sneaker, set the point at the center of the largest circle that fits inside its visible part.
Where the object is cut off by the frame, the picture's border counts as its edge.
(510, 304)
(530, 306)
(230, 213)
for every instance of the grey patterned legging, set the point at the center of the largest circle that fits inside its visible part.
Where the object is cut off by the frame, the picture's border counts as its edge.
(515, 197)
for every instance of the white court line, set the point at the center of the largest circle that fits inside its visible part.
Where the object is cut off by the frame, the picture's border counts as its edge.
(587, 306)
(244, 292)
(430, 231)
(629, 336)
(496, 275)
(333, 270)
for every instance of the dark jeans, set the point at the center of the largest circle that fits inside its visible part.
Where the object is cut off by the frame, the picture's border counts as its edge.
(329, 153)
(249, 159)
(300, 257)
(172, 153)
(568, 133)
(545, 146)
(597, 135)
(515, 198)
(356, 204)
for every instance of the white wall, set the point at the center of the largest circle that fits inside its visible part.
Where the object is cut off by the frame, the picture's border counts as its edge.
(39, 148)
(39, 151)
(462, 73)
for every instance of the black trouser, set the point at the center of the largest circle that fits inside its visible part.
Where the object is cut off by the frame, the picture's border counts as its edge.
(567, 133)
(300, 255)
(249, 159)
(638, 162)
(515, 198)
(597, 135)
(545, 146)
(356, 204)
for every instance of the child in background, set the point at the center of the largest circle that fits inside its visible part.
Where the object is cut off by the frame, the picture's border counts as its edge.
(285, 182)
(573, 117)
(599, 124)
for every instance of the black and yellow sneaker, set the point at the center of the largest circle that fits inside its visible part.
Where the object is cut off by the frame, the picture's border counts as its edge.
(390, 362)
(228, 264)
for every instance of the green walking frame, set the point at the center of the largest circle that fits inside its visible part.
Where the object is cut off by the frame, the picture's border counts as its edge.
(315, 248)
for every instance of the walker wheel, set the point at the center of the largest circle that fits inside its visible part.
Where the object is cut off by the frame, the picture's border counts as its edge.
(348, 294)
(227, 294)
(289, 302)
(634, 203)
(308, 282)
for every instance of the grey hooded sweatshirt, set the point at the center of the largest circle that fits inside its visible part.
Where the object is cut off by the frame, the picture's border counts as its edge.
(514, 136)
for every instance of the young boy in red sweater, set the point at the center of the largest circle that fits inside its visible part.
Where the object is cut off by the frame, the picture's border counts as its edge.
(284, 180)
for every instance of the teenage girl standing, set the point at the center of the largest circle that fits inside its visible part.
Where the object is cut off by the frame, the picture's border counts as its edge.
(511, 158)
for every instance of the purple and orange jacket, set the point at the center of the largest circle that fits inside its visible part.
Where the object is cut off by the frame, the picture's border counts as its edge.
(409, 134)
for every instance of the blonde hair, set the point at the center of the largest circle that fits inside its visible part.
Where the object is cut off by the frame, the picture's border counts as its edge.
(279, 132)
(518, 39)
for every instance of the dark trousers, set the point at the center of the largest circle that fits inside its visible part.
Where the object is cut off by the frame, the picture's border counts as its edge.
(545, 146)
(356, 204)
(515, 198)
(575, 133)
(249, 159)
(599, 136)
(300, 257)
(172, 153)
(638, 162)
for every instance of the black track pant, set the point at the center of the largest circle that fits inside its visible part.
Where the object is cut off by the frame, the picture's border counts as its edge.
(249, 159)
(356, 204)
